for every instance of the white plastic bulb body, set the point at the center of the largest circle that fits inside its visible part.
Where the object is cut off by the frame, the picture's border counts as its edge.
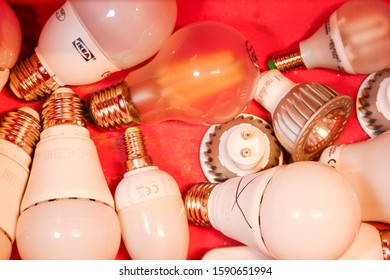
(366, 246)
(303, 210)
(67, 211)
(14, 172)
(85, 41)
(355, 39)
(365, 165)
(11, 41)
(152, 215)
(240, 252)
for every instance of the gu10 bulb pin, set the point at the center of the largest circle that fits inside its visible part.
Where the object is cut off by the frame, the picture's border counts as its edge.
(355, 39)
(302, 210)
(242, 146)
(306, 117)
(67, 211)
(19, 134)
(373, 103)
(150, 206)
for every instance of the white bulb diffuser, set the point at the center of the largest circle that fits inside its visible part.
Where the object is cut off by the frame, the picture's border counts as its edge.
(365, 165)
(85, 41)
(355, 39)
(67, 211)
(11, 41)
(306, 117)
(303, 210)
(370, 244)
(19, 133)
(150, 207)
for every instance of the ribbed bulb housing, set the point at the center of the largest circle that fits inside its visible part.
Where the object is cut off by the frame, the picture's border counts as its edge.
(135, 149)
(63, 107)
(196, 201)
(22, 128)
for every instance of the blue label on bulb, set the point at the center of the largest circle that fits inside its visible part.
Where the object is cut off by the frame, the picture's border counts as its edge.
(83, 49)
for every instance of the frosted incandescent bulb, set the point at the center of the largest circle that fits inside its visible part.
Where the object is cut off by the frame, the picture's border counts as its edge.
(355, 39)
(19, 133)
(84, 41)
(303, 210)
(370, 244)
(11, 41)
(150, 207)
(306, 117)
(67, 211)
(205, 73)
(365, 165)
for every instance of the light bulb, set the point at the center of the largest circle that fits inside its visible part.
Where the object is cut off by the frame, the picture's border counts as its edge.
(11, 41)
(67, 211)
(306, 117)
(205, 73)
(370, 244)
(365, 165)
(303, 210)
(19, 133)
(150, 207)
(85, 41)
(240, 252)
(355, 39)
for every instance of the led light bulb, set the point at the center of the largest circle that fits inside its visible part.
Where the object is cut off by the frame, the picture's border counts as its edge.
(234, 253)
(67, 211)
(306, 117)
(370, 244)
(85, 41)
(355, 39)
(205, 73)
(365, 165)
(150, 207)
(19, 133)
(11, 41)
(303, 210)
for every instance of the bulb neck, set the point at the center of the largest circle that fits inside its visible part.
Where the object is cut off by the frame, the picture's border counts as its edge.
(135, 149)
(63, 107)
(385, 240)
(112, 107)
(286, 60)
(196, 203)
(30, 81)
(22, 129)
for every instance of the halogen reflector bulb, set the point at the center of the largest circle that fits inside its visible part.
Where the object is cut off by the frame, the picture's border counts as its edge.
(355, 39)
(285, 212)
(188, 80)
(150, 207)
(85, 41)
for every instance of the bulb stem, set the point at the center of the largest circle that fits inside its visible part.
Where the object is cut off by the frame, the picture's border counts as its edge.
(286, 60)
(30, 81)
(22, 129)
(63, 107)
(112, 107)
(196, 203)
(137, 156)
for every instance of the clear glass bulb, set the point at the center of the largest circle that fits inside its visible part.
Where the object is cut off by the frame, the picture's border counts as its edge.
(355, 39)
(19, 133)
(67, 211)
(150, 207)
(365, 165)
(205, 73)
(303, 210)
(85, 41)
(11, 41)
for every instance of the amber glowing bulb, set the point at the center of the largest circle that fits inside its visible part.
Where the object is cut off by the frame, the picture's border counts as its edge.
(205, 73)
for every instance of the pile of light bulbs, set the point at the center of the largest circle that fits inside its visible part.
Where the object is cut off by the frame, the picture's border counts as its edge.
(56, 203)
